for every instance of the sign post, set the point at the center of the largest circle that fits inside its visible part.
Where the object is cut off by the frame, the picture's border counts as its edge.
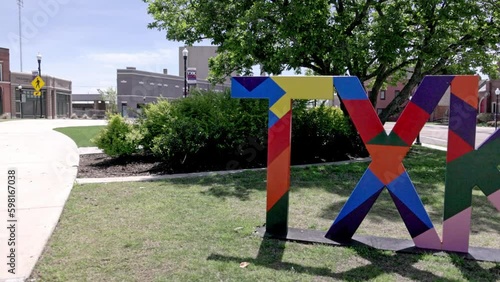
(38, 83)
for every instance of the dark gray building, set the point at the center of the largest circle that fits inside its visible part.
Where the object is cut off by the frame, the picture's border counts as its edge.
(136, 88)
(198, 57)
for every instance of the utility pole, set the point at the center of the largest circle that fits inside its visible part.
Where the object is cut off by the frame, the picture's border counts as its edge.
(20, 4)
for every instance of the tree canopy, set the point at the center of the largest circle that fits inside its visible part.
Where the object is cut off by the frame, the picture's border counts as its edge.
(379, 41)
(109, 94)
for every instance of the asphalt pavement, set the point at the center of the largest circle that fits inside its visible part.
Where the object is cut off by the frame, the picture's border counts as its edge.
(437, 135)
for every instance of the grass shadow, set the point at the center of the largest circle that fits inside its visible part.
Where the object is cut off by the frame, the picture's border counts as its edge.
(426, 167)
(472, 271)
(271, 253)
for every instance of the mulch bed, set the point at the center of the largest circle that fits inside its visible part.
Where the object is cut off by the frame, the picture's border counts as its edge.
(101, 165)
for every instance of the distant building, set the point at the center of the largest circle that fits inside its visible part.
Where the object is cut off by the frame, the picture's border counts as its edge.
(55, 99)
(7, 105)
(489, 102)
(441, 112)
(91, 105)
(136, 88)
(16, 93)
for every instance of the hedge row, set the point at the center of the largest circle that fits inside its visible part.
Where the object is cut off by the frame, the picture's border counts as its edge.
(212, 131)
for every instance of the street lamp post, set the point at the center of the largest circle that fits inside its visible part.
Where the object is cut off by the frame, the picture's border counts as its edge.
(185, 55)
(39, 59)
(497, 93)
(20, 88)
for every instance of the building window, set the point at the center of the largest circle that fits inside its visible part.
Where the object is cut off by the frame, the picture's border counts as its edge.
(379, 110)
(1, 72)
(494, 108)
(396, 93)
(382, 95)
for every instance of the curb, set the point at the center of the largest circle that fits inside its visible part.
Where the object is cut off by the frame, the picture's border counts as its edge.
(198, 174)
(440, 148)
(89, 150)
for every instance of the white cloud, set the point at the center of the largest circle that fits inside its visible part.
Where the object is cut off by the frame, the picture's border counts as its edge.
(98, 69)
(136, 59)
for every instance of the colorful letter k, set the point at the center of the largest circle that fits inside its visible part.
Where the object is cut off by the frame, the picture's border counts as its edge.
(467, 167)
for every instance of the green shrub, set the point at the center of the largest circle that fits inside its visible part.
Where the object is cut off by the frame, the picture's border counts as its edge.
(118, 138)
(320, 134)
(485, 117)
(156, 119)
(207, 130)
(211, 130)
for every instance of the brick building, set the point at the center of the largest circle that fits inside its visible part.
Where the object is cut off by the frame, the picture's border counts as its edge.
(6, 103)
(55, 100)
(16, 93)
(441, 111)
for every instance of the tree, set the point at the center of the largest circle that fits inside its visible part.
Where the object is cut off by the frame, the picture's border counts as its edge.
(380, 41)
(110, 95)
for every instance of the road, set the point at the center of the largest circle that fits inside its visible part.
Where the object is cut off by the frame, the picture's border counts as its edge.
(437, 135)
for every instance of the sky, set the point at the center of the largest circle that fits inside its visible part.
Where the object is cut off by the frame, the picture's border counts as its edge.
(85, 41)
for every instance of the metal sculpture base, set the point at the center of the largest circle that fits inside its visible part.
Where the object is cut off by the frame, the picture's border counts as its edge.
(382, 243)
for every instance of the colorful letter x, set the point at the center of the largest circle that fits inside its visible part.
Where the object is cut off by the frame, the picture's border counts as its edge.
(387, 153)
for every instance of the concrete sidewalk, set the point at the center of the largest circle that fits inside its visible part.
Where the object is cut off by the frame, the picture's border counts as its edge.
(46, 163)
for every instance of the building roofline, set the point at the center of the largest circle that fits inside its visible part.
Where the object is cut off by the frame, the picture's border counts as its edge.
(135, 71)
(159, 75)
(29, 74)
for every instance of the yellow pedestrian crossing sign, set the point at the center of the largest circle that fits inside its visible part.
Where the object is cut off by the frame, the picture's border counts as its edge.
(37, 93)
(38, 83)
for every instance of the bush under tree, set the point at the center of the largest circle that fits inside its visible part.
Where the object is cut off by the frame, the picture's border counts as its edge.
(212, 131)
(118, 138)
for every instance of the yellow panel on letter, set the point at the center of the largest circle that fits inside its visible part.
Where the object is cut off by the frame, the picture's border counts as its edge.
(306, 87)
(282, 106)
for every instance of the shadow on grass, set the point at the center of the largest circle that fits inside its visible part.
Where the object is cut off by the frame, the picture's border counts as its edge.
(472, 271)
(426, 168)
(271, 252)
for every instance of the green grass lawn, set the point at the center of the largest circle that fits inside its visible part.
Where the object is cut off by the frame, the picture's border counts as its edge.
(201, 229)
(81, 134)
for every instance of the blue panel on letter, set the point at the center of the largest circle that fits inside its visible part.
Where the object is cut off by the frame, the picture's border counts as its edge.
(403, 189)
(367, 186)
(349, 88)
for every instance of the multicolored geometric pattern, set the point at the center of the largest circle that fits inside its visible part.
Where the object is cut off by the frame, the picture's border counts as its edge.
(387, 152)
(280, 91)
(466, 167)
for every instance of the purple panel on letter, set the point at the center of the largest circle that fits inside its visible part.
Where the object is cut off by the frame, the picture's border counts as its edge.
(414, 225)
(344, 229)
(250, 83)
(431, 91)
(463, 120)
